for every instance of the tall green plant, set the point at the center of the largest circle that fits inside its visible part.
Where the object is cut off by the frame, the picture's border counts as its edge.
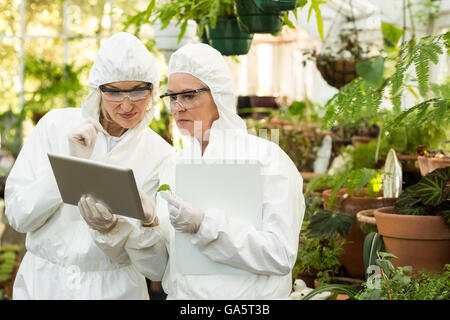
(51, 85)
(364, 94)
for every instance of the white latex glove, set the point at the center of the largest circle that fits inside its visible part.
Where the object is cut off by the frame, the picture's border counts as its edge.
(151, 219)
(82, 139)
(183, 215)
(96, 215)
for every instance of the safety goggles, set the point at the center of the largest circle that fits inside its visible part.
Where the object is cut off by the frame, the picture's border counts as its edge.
(117, 95)
(186, 99)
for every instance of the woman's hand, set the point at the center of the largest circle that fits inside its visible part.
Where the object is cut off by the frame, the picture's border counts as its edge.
(82, 139)
(96, 215)
(183, 215)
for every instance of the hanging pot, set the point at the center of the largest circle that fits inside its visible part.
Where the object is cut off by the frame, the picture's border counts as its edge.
(167, 38)
(228, 38)
(252, 19)
(277, 5)
(337, 72)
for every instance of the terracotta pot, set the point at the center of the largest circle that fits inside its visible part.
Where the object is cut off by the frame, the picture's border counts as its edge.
(352, 259)
(422, 242)
(427, 164)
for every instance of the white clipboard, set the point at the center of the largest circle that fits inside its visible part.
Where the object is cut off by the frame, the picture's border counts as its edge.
(235, 188)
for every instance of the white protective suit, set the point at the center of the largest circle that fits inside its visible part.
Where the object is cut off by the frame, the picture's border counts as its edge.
(63, 261)
(268, 253)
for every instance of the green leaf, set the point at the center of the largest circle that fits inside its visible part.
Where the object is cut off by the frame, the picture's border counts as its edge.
(315, 6)
(387, 255)
(372, 71)
(325, 224)
(386, 265)
(430, 189)
(372, 245)
(163, 187)
(409, 202)
(391, 34)
(444, 211)
(336, 288)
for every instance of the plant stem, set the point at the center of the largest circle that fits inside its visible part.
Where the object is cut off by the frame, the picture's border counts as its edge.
(413, 28)
(386, 279)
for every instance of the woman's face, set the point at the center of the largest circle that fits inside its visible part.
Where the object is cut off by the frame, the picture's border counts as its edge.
(197, 107)
(126, 113)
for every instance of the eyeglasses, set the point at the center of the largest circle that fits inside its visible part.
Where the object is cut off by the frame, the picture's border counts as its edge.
(135, 94)
(186, 99)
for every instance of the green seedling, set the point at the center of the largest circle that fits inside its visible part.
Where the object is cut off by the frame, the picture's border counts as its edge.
(163, 187)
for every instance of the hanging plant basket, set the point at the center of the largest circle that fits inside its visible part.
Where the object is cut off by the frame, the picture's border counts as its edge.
(276, 5)
(228, 38)
(253, 19)
(337, 72)
(167, 38)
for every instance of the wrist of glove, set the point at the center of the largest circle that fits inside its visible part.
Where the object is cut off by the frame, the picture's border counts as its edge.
(183, 216)
(96, 215)
(151, 220)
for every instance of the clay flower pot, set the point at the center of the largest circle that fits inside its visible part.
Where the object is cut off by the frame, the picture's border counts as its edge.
(429, 164)
(352, 260)
(422, 242)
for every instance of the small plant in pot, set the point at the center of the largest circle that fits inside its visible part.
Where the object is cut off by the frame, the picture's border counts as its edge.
(318, 258)
(417, 228)
(395, 283)
(352, 191)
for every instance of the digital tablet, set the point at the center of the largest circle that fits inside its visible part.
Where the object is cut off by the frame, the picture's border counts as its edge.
(112, 185)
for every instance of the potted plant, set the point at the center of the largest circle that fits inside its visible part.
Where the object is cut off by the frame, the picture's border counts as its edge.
(167, 39)
(416, 229)
(337, 62)
(317, 258)
(353, 190)
(215, 20)
(395, 283)
(253, 19)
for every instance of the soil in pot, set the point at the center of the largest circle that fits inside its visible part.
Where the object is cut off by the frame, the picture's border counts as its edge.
(422, 242)
(352, 259)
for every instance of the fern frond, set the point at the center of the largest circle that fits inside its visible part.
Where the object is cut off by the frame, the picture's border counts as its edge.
(425, 54)
(423, 106)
